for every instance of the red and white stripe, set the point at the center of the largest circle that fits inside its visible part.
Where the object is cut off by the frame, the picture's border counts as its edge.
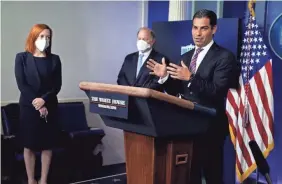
(260, 127)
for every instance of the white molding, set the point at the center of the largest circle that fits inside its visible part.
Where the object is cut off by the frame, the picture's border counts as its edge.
(192, 8)
(144, 13)
(178, 10)
(219, 8)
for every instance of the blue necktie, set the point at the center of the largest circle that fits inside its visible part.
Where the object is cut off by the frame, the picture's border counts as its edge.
(139, 64)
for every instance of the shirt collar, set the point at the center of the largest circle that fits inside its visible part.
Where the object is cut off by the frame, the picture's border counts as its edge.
(207, 47)
(147, 53)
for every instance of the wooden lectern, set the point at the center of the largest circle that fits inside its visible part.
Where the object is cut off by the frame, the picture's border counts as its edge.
(158, 130)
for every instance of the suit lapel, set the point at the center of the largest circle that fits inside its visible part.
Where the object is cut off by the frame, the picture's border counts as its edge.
(144, 70)
(188, 58)
(133, 68)
(32, 71)
(208, 57)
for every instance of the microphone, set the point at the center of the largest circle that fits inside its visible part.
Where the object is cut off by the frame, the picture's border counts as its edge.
(261, 162)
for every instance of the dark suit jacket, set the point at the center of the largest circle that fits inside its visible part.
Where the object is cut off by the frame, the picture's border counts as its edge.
(218, 72)
(127, 74)
(29, 83)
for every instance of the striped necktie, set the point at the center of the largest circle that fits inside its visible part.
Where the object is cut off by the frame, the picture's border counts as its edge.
(194, 60)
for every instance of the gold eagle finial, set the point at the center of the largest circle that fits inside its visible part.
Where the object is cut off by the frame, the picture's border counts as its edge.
(251, 8)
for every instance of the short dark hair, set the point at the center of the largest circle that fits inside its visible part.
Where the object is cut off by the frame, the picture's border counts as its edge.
(148, 29)
(208, 14)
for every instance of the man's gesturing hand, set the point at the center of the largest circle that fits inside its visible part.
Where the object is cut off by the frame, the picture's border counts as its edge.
(179, 72)
(157, 68)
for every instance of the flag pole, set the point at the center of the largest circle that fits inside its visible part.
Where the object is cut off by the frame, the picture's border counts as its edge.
(252, 13)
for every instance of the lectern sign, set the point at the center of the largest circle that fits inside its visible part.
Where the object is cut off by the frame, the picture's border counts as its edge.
(109, 104)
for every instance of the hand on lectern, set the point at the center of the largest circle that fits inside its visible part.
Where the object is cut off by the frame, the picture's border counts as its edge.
(157, 68)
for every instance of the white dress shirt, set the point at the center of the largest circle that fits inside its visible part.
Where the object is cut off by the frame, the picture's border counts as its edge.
(202, 54)
(145, 55)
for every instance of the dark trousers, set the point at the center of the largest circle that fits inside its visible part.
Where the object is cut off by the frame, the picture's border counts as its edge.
(207, 160)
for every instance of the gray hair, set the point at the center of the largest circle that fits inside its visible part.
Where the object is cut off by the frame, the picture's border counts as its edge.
(148, 29)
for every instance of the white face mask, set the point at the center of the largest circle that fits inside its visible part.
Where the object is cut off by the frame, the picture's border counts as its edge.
(143, 46)
(41, 45)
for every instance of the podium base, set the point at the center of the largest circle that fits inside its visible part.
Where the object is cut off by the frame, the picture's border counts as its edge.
(151, 160)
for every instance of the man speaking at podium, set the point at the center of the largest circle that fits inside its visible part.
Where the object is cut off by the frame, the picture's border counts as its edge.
(133, 71)
(204, 76)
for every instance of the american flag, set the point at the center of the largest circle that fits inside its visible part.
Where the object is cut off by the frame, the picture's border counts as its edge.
(250, 108)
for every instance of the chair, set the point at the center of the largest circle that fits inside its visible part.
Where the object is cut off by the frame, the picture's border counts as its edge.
(73, 160)
(83, 140)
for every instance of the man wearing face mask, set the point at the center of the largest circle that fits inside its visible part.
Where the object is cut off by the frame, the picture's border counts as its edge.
(134, 71)
(39, 79)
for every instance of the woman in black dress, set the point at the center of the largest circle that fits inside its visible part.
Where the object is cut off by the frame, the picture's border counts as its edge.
(39, 79)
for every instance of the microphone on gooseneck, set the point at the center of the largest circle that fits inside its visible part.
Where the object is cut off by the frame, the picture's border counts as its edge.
(261, 162)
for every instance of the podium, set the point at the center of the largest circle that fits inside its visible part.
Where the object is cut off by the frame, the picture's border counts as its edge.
(158, 130)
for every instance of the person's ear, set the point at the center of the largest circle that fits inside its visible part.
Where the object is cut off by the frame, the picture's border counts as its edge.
(214, 28)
